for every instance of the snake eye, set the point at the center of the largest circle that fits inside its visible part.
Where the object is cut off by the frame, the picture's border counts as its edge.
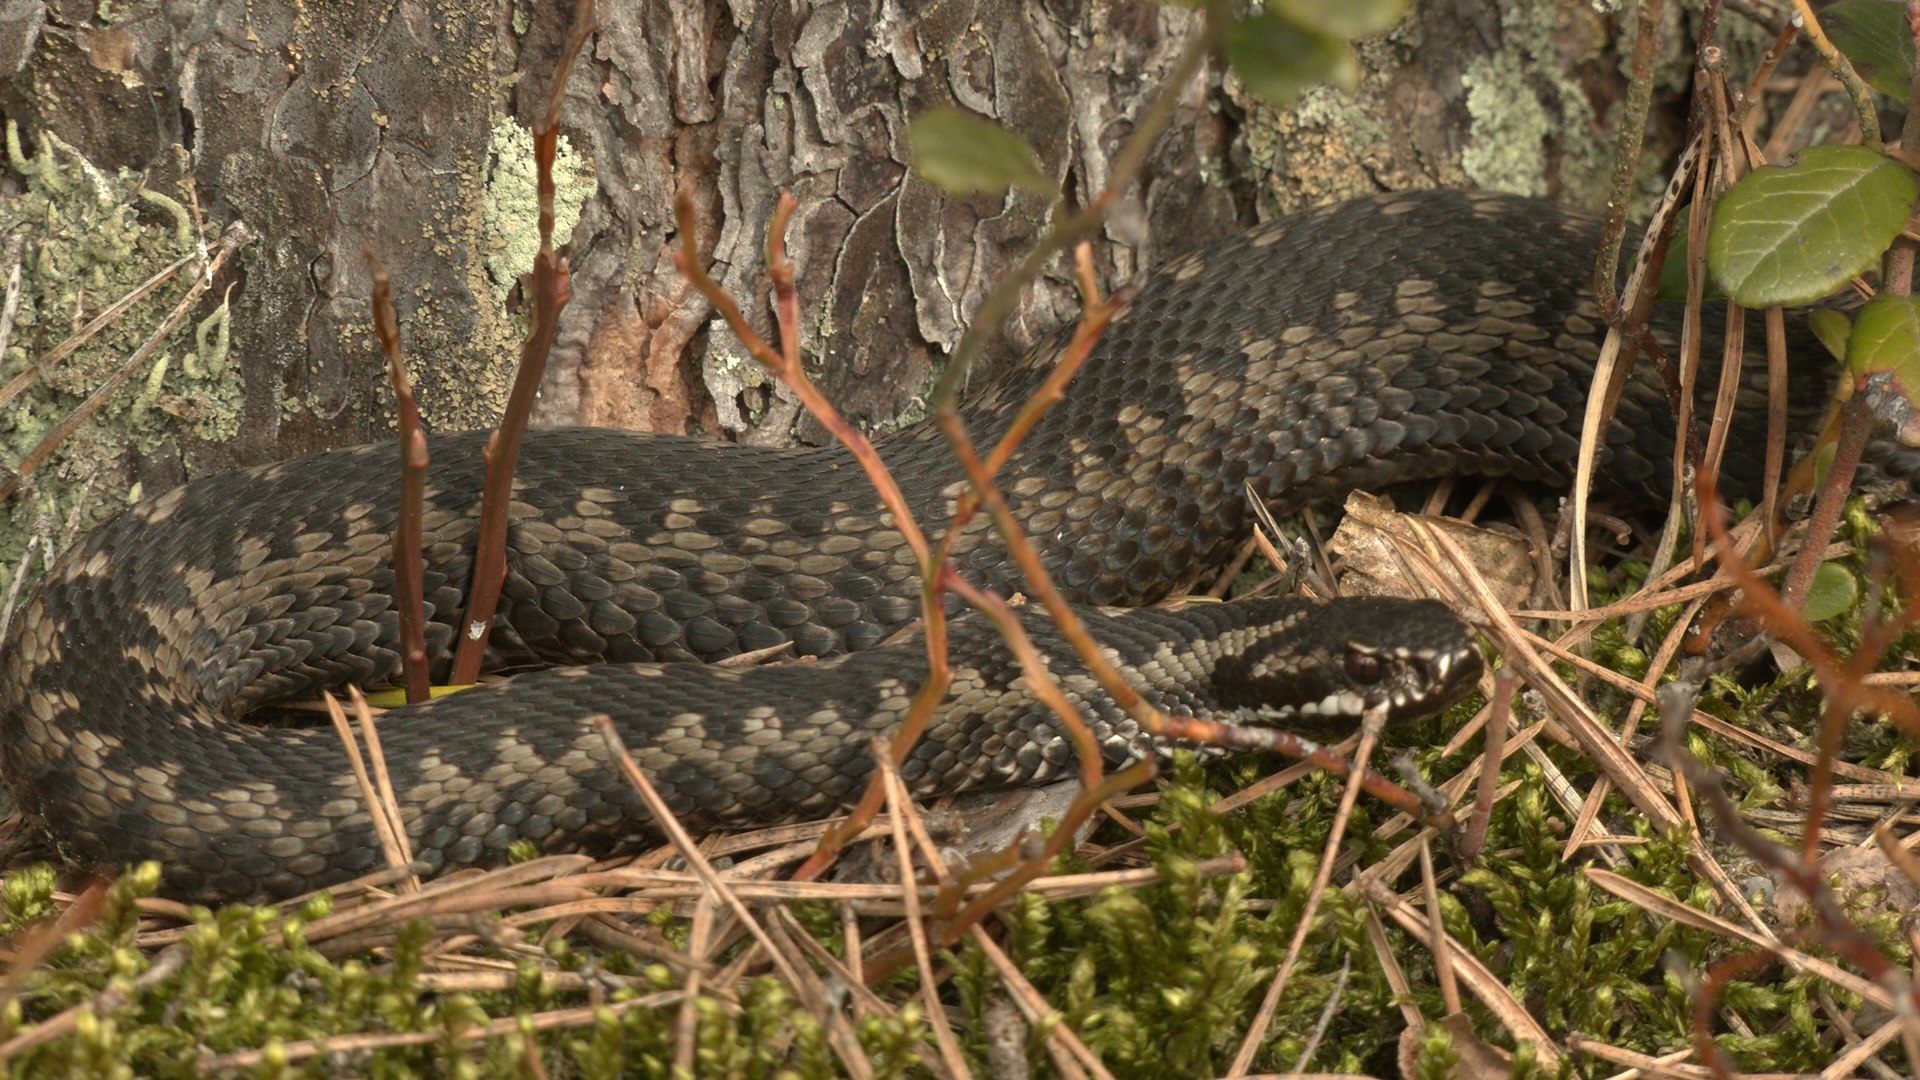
(1363, 667)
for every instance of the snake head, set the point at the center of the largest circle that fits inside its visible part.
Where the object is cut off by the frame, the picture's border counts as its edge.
(1332, 664)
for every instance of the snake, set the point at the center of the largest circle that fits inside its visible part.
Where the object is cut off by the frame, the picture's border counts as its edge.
(1401, 337)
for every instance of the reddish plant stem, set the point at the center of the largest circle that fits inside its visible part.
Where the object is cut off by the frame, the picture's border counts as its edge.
(1856, 427)
(407, 588)
(992, 312)
(1707, 995)
(1759, 599)
(1250, 739)
(939, 576)
(552, 289)
(786, 365)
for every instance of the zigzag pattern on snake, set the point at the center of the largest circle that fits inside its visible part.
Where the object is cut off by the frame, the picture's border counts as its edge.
(1401, 337)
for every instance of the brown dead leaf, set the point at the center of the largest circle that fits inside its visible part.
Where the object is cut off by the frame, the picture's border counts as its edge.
(1857, 869)
(1370, 536)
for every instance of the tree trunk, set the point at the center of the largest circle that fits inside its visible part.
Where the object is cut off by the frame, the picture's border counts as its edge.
(330, 126)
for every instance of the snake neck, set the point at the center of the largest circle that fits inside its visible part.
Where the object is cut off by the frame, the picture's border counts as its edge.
(1408, 337)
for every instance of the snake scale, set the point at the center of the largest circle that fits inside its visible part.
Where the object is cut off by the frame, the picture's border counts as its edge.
(1394, 338)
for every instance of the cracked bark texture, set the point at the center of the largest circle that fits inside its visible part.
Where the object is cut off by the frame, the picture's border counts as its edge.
(328, 126)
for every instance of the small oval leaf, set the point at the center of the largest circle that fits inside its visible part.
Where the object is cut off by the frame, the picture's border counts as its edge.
(1832, 328)
(961, 154)
(1793, 233)
(1884, 354)
(1279, 60)
(1832, 592)
(1347, 18)
(1886, 337)
(1873, 35)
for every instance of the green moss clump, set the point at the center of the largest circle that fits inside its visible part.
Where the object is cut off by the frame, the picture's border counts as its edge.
(91, 236)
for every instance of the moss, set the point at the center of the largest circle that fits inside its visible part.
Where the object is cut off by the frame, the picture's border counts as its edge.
(1158, 980)
(91, 237)
(245, 977)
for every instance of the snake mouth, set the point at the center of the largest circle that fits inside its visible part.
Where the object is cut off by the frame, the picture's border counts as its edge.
(1449, 676)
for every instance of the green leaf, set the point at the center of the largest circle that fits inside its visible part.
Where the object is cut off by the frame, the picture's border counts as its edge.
(1886, 337)
(1279, 60)
(1873, 35)
(1832, 592)
(1833, 328)
(961, 154)
(1792, 233)
(1884, 353)
(1347, 18)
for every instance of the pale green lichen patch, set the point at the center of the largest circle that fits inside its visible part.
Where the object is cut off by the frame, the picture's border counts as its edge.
(1510, 127)
(89, 236)
(1529, 115)
(513, 205)
(1326, 148)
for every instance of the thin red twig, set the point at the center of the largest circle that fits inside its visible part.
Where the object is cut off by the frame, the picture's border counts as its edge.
(407, 588)
(552, 289)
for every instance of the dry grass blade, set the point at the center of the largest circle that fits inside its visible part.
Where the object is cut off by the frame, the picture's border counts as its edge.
(865, 898)
(670, 825)
(463, 892)
(686, 1024)
(1034, 1007)
(1617, 353)
(1662, 660)
(1596, 741)
(1516, 645)
(1864, 1052)
(899, 805)
(1668, 1065)
(19, 383)
(164, 967)
(32, 945)
(363, 1043)
(376, 790)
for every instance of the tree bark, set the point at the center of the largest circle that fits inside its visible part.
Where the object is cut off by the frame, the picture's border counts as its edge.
(328, 126)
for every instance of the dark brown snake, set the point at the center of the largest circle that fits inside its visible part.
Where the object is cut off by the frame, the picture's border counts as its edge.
(1402, 337)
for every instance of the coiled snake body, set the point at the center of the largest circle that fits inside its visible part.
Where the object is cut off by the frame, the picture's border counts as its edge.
(1395, 338)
